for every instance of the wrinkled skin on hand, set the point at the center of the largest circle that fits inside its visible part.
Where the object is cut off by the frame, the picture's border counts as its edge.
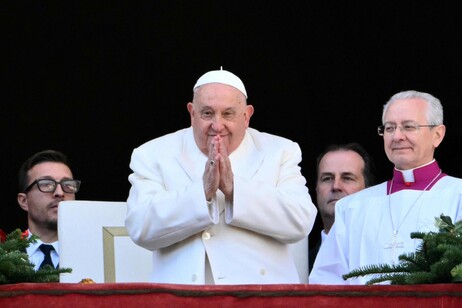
(220, 174)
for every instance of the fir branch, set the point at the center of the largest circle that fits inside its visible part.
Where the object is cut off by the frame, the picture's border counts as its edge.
(15, 265)
(437, 259)
(456, 272)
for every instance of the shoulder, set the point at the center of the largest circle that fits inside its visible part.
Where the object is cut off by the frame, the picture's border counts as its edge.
(375, 190)
(364, 196)
(262, 139)
(449, 185)
(451, 180)
(166, 145)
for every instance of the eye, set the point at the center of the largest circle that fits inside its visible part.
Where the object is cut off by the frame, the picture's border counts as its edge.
(229, 115)
(409, 127)
(327, 178)
(70, 186)
(47, 184)
(389, 128)
(207, 114)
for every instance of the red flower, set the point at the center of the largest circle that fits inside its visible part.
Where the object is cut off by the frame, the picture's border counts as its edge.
(25, 235)
(2, 236)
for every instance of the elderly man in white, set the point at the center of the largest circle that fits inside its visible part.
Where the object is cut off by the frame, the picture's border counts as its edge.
(373, 226)
(219, 202)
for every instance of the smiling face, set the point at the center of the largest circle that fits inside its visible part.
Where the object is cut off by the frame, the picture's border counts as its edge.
(411, 150)
(42, 207)
(219, 109)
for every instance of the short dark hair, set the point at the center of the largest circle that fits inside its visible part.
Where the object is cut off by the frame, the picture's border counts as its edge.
(368, 171)
(37, 158)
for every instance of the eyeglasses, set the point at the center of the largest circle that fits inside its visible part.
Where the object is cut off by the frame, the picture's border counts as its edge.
(49, 185)
(407, 128)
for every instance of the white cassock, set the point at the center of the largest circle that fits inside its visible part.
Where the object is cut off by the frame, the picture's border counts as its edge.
(365, 224)
(243, 242)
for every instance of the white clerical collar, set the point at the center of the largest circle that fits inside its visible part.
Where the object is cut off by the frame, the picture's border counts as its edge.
(408, 175)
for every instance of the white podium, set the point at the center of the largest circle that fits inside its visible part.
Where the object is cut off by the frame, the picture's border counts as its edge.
(94, 243)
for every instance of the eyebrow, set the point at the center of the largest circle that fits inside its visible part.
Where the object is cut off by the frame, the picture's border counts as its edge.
(49, 177)
(341, 173)
(405, 121)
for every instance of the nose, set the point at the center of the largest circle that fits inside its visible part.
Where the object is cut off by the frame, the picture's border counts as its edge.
(337, 184)
(217, 123)
(398, 133)
(58, 191)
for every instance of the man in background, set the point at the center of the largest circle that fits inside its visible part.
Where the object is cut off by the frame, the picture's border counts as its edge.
(342, 169)
(45, 179)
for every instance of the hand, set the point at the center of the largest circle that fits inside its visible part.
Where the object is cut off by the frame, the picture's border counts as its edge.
(218, 173)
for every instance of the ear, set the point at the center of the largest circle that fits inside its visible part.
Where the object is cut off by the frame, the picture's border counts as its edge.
(248, 113)
(190, 108)
(22, 201)
(438, 136)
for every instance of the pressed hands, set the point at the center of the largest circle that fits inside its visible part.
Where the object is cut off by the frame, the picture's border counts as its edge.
(218, 173)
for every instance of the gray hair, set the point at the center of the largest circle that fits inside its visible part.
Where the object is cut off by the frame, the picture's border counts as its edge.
(434, 110)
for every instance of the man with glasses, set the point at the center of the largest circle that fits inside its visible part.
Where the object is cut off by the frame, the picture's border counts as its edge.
(45, 179)
(373, 226)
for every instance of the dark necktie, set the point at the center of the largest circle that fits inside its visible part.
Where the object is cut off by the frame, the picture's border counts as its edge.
(46, 249)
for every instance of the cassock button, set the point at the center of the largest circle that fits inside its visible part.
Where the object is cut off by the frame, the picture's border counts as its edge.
(194, 277)
(263, 272)
(407, 184)
(206, 236)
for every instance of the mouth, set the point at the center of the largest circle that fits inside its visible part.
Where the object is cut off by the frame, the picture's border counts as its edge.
(401, 148)
(333, 201)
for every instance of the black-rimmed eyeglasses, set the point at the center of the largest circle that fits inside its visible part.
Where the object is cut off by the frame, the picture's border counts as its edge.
(408, 128)
(49, 185)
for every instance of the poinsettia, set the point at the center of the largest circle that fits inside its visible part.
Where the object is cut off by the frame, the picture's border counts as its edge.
(2, 236)
(25, 234)
(15, 265)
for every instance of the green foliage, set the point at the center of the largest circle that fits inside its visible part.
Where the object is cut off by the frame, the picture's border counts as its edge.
(438, 259)
(15, 266)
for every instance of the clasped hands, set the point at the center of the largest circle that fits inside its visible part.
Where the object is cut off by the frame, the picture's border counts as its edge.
(218, 173)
